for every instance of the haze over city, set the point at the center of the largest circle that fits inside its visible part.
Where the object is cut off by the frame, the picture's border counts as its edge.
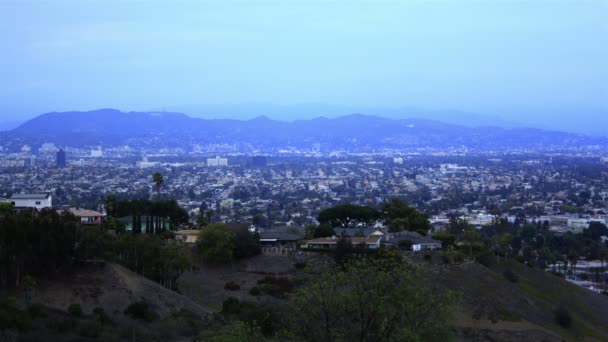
(530, 63)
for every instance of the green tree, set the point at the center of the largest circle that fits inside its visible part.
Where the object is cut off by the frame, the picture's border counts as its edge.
(347, 215)
(398, 216)
(216, 244)
(370, 300)
(158, 180)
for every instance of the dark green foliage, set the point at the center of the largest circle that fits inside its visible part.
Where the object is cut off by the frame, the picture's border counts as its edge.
(232, 286)
(216, 244)
(446, 239)
(36, 244)
(348, 215)
(344, 250)
(142, 311)
(91, 329)
(405, 245)
(250, 313)
(144, 207)
(323, 230)
(562, 317)
(75, 310)
(255, 291)
(276, 286)
(101, 316)
(511, 276)
(246, 243)
(369, 300)
(37, 311)
(398, 216)
(11, 317)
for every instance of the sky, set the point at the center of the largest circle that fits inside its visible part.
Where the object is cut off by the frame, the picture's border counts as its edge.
(533, 61)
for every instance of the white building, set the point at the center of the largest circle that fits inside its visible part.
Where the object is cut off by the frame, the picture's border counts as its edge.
(398, 160)
(38, 201)
(217, 161)
(97, 153)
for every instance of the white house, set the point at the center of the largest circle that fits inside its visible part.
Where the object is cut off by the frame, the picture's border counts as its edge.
(38, 201)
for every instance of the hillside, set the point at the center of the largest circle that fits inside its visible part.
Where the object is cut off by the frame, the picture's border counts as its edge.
(113, 287)
(351, 132)
(495, 308)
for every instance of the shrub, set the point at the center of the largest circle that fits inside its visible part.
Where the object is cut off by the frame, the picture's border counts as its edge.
(91, 329)
(563, 317)
(75, 310)
(405, 245)
(276, 286)
(427, 256)
(300, 264)
(101, 316)
(511, 276)
(11, 318)
(250, 313)
(232, 286)
(255, 291)
(142, 311)
(36, 311)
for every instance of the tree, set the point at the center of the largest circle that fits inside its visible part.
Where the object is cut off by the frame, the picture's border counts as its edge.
(323, 230)
(158, 180)
(471, 237)
(216, 244)
(398, 216)
(246, 243)
(369, 300)
(347, 215)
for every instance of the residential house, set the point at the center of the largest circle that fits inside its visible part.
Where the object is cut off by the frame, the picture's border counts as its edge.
(372, 242)
(38, 201)
(89, 217)
(187, 235)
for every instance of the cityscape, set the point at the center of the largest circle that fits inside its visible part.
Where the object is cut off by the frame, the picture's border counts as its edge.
(308, 171)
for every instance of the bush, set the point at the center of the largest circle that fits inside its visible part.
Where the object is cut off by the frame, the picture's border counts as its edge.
(37, 311)
(255, 291)
(11, 318)
(91, 329)
(75, 310)
(405, 245)
(142, 311)
(101, 316)
(563, 317)
(511, 276)
(427, 256)
(232, 286)
(300, 265)
(250, 313)
(277, 287)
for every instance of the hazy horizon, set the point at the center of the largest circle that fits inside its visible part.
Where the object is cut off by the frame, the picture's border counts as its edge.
(537, 63)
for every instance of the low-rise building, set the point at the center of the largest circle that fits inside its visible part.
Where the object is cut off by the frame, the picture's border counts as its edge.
(38, 201)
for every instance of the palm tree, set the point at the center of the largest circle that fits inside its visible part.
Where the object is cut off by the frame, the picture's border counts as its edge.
(158, 180)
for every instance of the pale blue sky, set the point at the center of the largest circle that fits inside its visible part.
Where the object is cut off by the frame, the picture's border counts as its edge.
(510, 58)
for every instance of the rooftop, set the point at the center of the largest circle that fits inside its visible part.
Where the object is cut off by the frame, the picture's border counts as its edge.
(30, 196)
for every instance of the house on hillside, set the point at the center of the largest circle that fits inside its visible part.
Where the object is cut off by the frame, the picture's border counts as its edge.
(38, 201)
(146, 223)
(372, 242)
(418, 242)
(89, 217)
(282, 236)
(187, 235)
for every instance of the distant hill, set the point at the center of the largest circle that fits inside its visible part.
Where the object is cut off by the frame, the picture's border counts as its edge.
(351, 132)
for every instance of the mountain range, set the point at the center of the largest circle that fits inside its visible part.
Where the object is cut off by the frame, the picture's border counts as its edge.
(351, 132)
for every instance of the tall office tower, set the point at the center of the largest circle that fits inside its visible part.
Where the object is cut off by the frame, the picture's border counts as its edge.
(61, 159)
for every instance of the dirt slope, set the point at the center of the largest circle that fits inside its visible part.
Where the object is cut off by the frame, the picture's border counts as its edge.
(113, 288)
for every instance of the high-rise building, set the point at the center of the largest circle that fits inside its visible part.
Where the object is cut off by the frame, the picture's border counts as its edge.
(61, 159)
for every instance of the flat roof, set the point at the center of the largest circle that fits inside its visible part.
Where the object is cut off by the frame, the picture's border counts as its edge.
(30, 196)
